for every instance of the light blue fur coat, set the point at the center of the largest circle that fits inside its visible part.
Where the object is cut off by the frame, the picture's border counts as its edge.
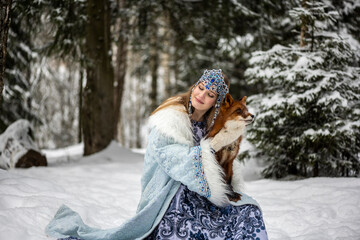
(170, 159)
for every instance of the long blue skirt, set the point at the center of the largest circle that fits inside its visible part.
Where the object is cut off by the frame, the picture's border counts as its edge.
(191, 216)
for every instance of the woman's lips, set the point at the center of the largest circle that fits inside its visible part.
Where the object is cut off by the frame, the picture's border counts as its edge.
(199, 101)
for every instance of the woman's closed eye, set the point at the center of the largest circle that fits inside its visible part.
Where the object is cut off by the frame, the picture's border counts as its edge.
(210, 94)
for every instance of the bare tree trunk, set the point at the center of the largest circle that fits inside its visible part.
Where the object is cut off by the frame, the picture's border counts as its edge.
(316, 169)
(166, 56)
(132, 114)
(176, 69)
(5, 6)
(154, 65)
(303, 26)
(120, 72)
(261, 27)
(138, 116)
(80, 103)
(98, 110)
(166, 78)
(312, 33)
(121, 133)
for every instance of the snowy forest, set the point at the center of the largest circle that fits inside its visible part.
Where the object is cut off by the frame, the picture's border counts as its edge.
(91, 72)
(80, 78)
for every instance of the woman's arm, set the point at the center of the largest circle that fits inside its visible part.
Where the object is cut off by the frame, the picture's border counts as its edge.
(195, 167)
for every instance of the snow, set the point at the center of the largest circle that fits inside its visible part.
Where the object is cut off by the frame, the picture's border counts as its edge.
(234, 46)
(348, 126)
(105, 189)
(333, 96)
(305, 62)
(312, 132)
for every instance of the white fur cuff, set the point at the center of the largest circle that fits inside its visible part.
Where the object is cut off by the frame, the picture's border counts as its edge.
(237, 181)
(214, 175)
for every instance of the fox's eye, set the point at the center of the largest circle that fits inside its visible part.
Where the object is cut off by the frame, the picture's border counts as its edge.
(238, 111)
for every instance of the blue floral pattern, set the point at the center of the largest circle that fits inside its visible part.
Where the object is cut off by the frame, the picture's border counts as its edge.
(199, 173)
(199, 131)
(191, 216)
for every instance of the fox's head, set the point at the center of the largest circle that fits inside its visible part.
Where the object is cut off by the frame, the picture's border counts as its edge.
(236, 110)
(232, 112)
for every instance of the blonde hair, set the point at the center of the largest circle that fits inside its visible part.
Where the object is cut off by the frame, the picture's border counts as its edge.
(183, 99)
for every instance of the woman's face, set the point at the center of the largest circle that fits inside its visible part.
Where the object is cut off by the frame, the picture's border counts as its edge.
(202, 99)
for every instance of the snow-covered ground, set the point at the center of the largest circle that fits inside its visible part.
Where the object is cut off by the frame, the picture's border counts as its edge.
(105, 188)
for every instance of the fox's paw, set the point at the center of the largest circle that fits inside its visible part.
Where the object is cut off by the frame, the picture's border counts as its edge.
(234, 197)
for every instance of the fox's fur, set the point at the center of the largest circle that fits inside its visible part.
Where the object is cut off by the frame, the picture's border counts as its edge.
(233, 115)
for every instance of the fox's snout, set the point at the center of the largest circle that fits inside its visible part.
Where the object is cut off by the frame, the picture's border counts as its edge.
(250, 119)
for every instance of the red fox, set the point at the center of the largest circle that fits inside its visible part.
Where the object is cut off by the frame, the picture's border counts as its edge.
(235, 114)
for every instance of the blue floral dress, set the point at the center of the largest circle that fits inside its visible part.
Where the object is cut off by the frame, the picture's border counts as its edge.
(191, 216)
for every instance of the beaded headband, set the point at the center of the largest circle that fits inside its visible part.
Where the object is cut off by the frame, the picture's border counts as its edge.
(213, 80)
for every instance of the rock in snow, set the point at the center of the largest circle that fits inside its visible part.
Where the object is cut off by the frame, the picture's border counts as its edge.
(17, 147)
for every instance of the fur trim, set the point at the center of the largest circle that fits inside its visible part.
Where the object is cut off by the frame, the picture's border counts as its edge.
(173, 122)
(237, 180)
(214, 175)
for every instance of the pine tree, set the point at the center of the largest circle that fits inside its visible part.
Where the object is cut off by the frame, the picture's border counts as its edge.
(308, 115)
(253, 25)
(21, 53)
(349, 22)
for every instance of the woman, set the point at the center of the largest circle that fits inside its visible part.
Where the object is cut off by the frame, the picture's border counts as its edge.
(183, 191)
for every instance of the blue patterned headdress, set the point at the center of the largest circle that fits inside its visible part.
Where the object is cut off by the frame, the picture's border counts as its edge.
(213, 80)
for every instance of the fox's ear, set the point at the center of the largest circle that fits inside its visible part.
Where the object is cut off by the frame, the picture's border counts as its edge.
(228, 100)
(243, 100)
